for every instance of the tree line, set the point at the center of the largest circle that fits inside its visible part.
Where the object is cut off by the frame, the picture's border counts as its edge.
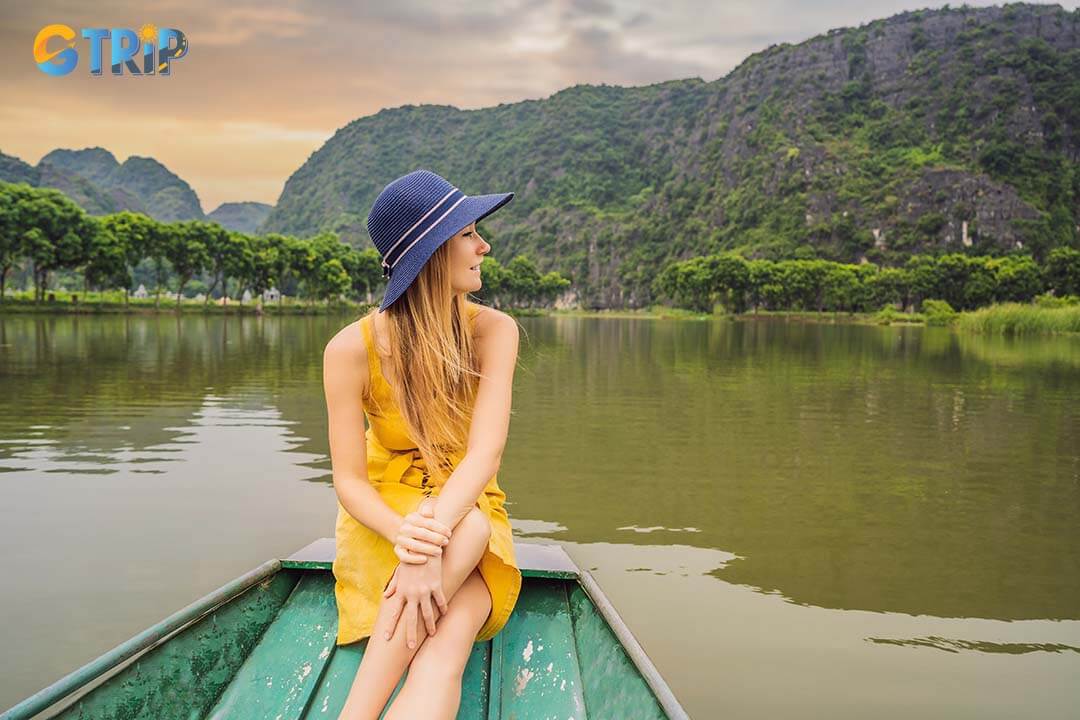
(965, 282)
(44, 232)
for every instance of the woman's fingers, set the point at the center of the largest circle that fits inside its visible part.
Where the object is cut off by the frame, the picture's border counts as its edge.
(411, 558)
(431, 536)
(426, 539)
(395, 613)
(429, 614)
(434, 525)
(440, 600)
(419, 546)
(391, 585)
(410, 623)
(414, 522)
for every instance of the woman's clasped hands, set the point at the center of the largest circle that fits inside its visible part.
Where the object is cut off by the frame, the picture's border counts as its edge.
(417, 580)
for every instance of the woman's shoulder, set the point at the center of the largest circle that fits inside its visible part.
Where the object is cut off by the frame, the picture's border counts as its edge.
(346, 352)
(495, 332)
(486, 319)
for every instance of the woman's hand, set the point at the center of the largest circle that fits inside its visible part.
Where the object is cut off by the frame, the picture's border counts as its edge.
(420, 535)
(411, 589)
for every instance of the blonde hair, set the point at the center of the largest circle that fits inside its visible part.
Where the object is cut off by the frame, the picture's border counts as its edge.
(434, 364)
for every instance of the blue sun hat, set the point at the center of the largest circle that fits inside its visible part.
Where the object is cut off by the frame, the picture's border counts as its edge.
(413, 216)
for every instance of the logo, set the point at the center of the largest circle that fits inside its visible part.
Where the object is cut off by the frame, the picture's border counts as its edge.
(155, 47)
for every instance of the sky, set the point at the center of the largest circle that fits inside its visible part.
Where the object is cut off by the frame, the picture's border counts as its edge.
(266, 83)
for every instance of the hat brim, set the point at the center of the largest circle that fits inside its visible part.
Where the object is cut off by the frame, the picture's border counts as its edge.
(472, 209)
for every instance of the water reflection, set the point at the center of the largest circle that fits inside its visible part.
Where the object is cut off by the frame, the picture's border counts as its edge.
(780, 488)
(886, 469)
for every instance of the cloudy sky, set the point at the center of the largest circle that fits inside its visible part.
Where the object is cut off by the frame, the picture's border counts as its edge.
(266, 83)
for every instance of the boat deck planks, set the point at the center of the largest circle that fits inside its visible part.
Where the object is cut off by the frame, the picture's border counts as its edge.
(264, 646)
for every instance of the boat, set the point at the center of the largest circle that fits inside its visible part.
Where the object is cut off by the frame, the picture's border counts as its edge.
(263, 646)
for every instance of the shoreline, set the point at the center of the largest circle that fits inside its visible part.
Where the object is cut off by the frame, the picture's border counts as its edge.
(891, 318)
(170, 308)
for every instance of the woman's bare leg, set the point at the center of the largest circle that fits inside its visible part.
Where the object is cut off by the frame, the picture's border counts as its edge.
(385, 660)
(432, 689)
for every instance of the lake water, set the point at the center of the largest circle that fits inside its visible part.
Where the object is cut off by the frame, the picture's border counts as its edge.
(796, 520)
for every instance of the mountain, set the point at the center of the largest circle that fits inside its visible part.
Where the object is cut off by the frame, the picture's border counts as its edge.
(139, 183)
(955, 129)
(12, 169)
(95, 180)
(241, 216)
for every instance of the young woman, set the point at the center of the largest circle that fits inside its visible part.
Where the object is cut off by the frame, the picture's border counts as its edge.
(425, 560)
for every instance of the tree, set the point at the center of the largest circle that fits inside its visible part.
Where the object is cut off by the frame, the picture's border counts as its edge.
(524, 280)
(220, 243)
(494, 281)
(258, 274)
(158, 240)
(136, 233)
(107, 259)
(1062, 271)
(58, 236)
(237, 261)
(888, 286)
(550, 285)
(839, 287)
(1016, 278)
(13, 224)
(365, 271)
(186, 250)
(329, 280)
(319, 260)
(287, 258)
(731, 277)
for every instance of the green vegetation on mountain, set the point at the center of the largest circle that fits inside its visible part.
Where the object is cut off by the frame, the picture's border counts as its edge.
(930, 132)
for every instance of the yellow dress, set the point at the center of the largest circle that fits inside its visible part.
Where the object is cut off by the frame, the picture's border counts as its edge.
(365, 560)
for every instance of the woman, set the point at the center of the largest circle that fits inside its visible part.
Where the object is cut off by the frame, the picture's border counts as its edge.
(425, 560)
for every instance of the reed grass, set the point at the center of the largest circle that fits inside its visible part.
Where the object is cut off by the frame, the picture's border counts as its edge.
(1021, 319)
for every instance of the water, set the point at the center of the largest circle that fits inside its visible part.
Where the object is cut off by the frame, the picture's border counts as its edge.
(794, 519)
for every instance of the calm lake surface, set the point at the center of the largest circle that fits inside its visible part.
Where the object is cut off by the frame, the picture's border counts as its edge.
(796, 520)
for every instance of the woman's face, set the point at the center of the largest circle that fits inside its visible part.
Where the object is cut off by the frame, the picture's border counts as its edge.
(466, 250)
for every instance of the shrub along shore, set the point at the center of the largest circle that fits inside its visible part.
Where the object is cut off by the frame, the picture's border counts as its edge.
(1048, 314)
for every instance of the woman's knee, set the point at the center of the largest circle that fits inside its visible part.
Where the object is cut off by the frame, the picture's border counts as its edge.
(445, 653)
(476, 522)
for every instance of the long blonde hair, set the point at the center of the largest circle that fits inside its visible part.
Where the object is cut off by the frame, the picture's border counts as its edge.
(434, 364)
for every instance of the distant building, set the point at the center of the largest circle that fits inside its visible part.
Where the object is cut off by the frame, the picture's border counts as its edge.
(247, 296)
(271, 295)
(141, 292)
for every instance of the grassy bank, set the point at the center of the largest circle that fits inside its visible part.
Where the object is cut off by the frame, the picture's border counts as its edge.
(1021, 319)
(1046, 316)
(95, 303)
(660, 312)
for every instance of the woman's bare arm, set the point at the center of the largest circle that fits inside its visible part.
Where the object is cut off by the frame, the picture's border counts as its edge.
(497, 345)
(345, 376)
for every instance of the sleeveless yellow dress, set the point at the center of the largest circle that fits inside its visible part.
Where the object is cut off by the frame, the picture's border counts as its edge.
(365, 560)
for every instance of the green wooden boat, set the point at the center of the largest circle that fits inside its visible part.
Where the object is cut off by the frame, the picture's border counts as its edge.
(262, 646)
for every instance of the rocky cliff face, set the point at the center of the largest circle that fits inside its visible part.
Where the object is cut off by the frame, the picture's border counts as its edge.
(952, 129)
